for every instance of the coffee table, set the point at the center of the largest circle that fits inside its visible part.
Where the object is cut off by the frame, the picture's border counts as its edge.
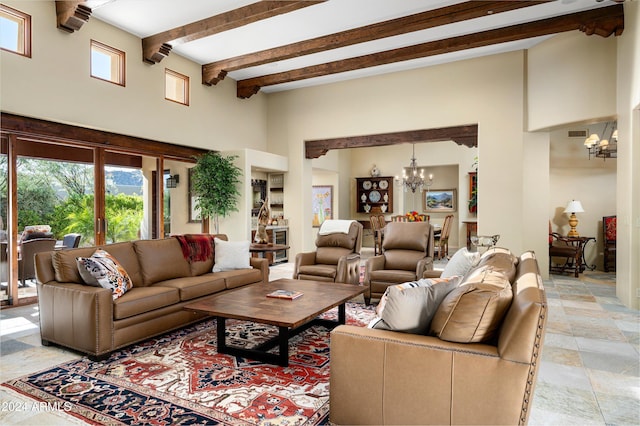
(250, 303)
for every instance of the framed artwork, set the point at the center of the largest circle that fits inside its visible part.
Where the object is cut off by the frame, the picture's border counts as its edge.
(322, 198)
(194, 214)
(439, 200)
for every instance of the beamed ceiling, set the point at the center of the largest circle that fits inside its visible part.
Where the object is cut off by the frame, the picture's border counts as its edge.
(281, 45)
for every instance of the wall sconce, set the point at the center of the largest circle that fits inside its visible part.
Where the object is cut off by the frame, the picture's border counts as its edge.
(172, 181)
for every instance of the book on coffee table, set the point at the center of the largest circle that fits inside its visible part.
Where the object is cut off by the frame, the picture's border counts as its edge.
(285, 294)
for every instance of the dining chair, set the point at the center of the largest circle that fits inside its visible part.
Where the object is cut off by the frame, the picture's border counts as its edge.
(441, 243)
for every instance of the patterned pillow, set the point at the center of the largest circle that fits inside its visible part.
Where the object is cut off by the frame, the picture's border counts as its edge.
(410, 307)
(103, 270)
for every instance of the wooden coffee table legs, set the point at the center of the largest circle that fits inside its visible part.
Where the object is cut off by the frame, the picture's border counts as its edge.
(281, 340)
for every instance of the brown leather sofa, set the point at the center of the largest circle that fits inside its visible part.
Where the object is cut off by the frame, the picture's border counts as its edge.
(336, 259)
(388, 377)
(87, 319)
(407, 251)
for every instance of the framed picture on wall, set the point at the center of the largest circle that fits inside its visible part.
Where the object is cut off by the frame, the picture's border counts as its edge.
(439, 200)
(322, 198)
(194, 213)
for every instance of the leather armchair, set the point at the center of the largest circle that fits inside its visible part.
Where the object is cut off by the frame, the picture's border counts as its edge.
(336, 259)
(407, 251)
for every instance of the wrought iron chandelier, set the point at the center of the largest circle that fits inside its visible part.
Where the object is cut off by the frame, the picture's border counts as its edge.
(413, 180)
(603, 148)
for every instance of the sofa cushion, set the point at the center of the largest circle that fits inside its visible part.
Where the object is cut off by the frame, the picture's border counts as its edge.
(193, 287)
(331, 255)
(103, 270)
(322, 270)
(410, 307)
(161, 260)
(195, 253)
(473, 312)
(230, 255)
(144, 299)
(65, 265)
(406, 235)
(126, 255)
(239, 277)
(460, 263)
(403, 259)
(392, 276)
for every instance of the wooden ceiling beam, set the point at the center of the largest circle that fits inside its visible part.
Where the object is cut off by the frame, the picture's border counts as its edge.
(214, 72)
(72, 15)
(462, 135)
(158, 46)
(603, 21)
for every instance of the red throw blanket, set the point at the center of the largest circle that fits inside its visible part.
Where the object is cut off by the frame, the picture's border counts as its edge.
(196, 247)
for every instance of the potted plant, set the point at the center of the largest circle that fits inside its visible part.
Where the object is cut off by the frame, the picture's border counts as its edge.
(215, 182)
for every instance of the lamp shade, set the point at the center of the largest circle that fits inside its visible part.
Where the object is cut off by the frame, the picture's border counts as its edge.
(574, 206)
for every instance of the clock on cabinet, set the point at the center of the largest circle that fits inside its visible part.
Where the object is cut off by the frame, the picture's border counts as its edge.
(374, 194)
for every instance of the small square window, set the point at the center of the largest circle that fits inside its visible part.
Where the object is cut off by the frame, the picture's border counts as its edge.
(107, 63)
(176, 87)
(15, 31)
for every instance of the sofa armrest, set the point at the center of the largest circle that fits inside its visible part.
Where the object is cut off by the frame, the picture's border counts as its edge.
(348, 270)
(431, 274)
(425, 264)
(76, 316)
(263, 265)
(302, 259)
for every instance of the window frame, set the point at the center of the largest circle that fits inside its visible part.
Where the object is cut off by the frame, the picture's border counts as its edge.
(121, 66)
(24, 21)
(185, 78)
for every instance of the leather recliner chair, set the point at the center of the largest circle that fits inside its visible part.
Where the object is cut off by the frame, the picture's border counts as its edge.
(336, 259)
(407, 251)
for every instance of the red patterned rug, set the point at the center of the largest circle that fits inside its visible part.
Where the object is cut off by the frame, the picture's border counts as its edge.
(179, 378)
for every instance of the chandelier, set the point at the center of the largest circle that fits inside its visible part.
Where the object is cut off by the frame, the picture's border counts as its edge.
(603, 148)
(413, 180)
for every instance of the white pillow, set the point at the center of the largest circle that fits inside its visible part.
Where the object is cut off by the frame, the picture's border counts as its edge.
(410, 307)
(460, 263)
(231, 255)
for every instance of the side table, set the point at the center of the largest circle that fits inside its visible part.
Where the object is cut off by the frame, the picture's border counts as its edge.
(260, 250)
(582, 243)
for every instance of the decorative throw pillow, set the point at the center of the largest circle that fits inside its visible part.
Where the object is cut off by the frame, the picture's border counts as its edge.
(473, 312)
(103, 270)
(409, 307)
(460, 263)
(230, 255)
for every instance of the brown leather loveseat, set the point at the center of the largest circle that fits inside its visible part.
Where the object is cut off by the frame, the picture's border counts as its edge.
(447, 375)
(89, 320)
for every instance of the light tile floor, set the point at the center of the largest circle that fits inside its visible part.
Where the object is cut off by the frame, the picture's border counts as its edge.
(590, 372)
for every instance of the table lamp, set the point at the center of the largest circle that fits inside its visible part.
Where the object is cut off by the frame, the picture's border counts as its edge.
(572, 208)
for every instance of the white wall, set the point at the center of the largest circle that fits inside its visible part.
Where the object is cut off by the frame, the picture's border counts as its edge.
(628, 197)
(55, 84)
(571, 78)
(419, 99)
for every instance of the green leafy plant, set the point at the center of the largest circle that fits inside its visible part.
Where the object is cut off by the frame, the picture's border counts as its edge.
(215, 181)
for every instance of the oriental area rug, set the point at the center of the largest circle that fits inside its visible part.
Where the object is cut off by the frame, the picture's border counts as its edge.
(179, 378)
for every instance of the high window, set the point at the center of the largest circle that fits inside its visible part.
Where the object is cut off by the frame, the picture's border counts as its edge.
(176, 87)
(107, 63)
(15, 31)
